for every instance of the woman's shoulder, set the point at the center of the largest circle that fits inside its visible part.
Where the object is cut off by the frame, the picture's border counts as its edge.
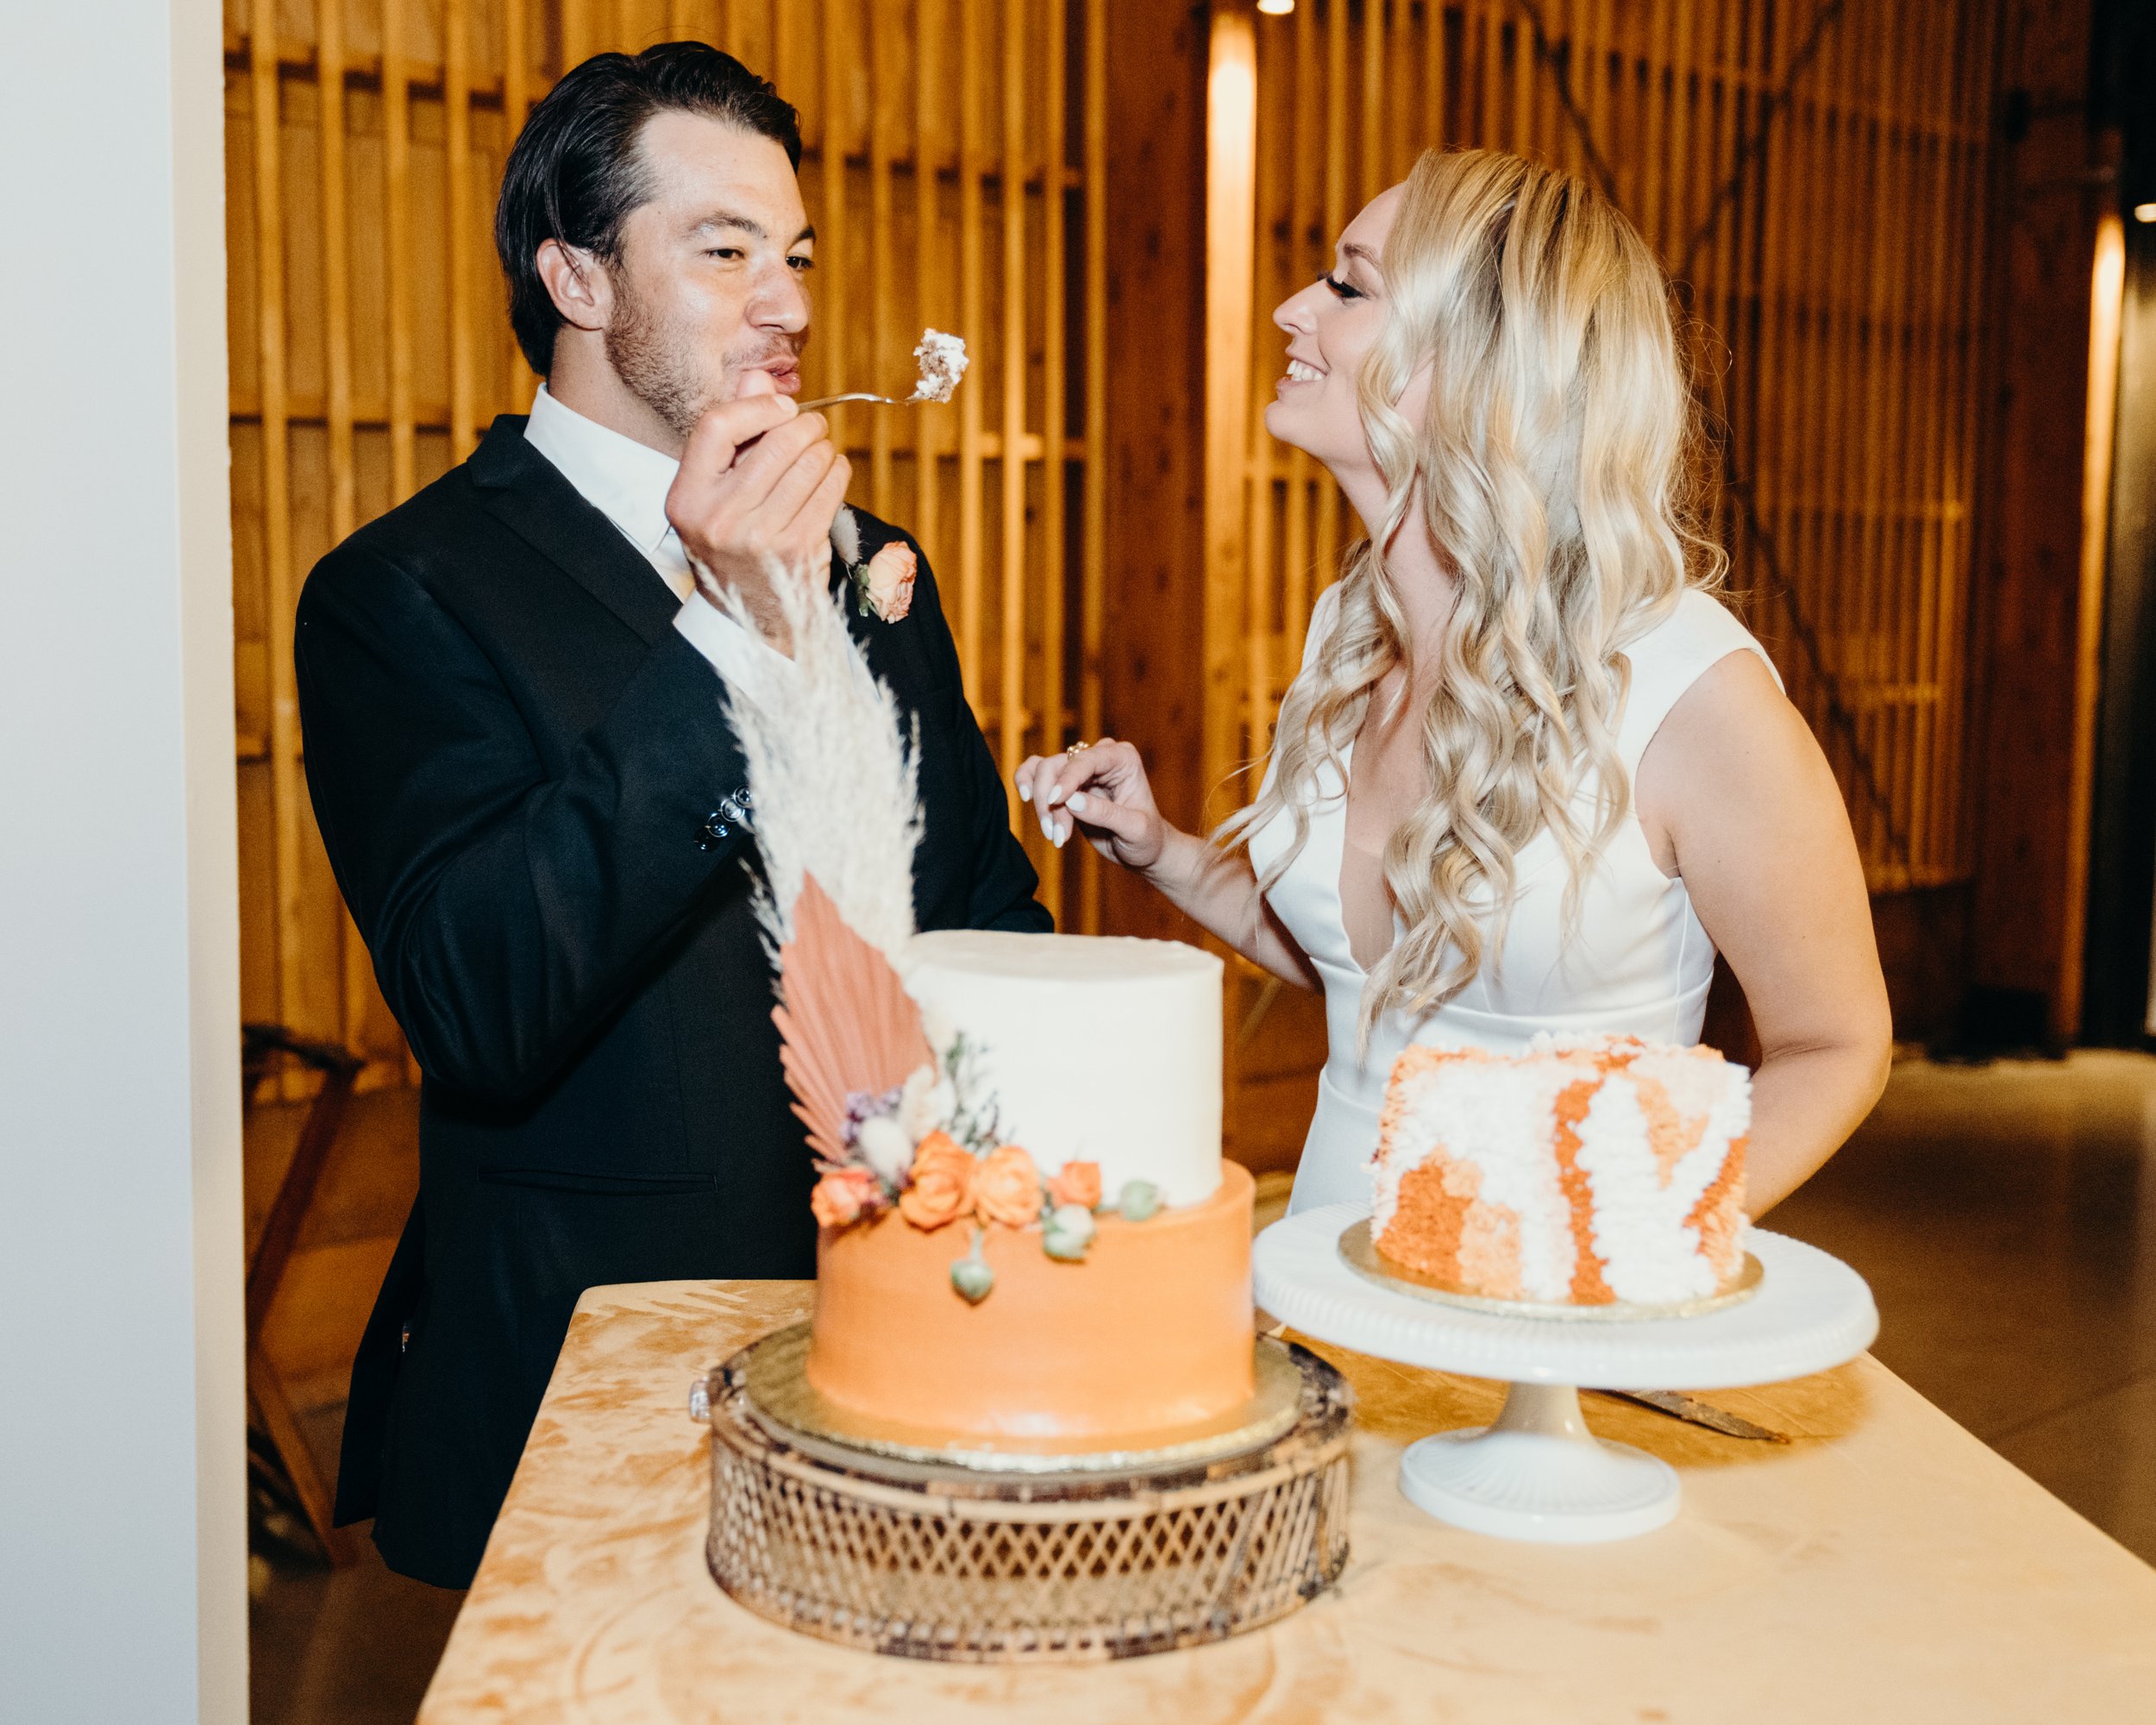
(1694, 634)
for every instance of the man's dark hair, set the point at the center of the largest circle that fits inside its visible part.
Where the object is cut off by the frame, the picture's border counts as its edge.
(577, 167)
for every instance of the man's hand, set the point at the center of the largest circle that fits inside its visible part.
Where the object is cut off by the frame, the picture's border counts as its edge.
(760, 485)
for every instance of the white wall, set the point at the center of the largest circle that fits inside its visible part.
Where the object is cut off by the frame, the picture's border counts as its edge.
(122, 1537)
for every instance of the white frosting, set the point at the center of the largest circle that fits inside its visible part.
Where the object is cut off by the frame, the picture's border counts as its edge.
(1097, 1050)
(1502, 1117)
(1649, 1256)
(941, 359)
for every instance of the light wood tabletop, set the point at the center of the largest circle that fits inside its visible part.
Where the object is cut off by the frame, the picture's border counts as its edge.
(1884, 1566)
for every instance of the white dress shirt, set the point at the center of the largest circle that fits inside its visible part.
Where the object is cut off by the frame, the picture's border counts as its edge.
(627, 482)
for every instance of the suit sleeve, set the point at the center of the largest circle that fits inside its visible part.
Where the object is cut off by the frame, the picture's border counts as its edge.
(507, 909)
(1004, 882)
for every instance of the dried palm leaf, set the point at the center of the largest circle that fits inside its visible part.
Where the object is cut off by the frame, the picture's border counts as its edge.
(846, 1024)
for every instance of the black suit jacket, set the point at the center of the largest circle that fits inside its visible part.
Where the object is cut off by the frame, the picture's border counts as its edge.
(520, 769)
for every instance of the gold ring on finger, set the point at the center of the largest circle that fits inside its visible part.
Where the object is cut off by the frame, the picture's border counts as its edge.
(1076, 749)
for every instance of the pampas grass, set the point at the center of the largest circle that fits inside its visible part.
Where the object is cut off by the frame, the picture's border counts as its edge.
(832, 776)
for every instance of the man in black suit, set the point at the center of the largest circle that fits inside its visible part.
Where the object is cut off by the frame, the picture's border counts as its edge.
(512, 692)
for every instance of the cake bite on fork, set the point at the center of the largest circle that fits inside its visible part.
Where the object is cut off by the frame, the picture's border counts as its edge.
(941, 359)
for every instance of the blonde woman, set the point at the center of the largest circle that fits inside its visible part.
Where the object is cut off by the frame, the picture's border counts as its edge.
(1532, 774)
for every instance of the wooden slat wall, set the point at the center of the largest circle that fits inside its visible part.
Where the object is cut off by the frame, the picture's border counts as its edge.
(1829, 247)
(370, 348)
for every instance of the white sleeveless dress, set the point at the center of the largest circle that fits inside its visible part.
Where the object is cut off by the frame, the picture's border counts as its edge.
(1640, 963)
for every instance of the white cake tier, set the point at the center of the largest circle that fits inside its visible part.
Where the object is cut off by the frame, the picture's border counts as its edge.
(1102, 1049)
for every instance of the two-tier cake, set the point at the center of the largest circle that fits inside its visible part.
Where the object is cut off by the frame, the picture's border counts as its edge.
(1065, 1257)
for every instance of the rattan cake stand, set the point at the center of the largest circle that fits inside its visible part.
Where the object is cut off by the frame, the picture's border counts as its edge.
(1538, 1473)
(885, 1550)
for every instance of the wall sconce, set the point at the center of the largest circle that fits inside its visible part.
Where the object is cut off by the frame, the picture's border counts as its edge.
(2142, 212)
(1281, 9)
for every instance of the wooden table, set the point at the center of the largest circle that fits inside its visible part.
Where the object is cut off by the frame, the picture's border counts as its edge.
(1885, 1567)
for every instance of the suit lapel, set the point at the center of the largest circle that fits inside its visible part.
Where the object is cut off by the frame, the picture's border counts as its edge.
(525, 492)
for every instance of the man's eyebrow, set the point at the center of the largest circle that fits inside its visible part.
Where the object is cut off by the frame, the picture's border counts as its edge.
(755, 229)
(725, 218)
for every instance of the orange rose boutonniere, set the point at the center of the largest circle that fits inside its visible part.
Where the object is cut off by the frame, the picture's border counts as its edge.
(943, 1183)
(1079, 1183)
(843, 1196)
(1007, 1190)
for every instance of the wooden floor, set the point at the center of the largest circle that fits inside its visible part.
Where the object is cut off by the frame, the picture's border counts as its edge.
(2004, 1215)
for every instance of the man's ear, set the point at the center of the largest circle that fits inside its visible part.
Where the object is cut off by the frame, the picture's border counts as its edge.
(582, 291)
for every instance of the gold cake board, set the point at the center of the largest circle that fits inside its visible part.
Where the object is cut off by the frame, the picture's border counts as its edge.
(1360, 1254)
(965, 1561)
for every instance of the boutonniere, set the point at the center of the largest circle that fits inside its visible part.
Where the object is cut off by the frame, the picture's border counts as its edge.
(883, 584)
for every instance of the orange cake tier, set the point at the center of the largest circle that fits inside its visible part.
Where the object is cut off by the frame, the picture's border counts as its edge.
(1586, 1171)
(1150, 1332)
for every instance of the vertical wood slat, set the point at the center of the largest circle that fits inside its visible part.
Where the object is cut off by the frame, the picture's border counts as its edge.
(928, 275)
(1369, 159)
(398, 252)
(456, 101)
(516, 100)
(1093, 589)
(1257, 488)
(1305, 157)
(277, 556)
(832, 226)
(1231, 216)
(1054, 418)
(354, 967)
(883, 362)
(971, 519)
(1011, 597)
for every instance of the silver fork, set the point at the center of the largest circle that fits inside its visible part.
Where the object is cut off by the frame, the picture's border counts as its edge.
(859, 395)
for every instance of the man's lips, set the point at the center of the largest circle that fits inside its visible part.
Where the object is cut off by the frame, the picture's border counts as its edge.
(784, 371)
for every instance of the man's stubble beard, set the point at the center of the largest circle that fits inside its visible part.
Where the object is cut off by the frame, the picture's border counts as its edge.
(659, 366)
(653, 366)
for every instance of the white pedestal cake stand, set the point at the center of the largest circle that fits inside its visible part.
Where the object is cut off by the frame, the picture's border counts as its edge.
(1538, 1473)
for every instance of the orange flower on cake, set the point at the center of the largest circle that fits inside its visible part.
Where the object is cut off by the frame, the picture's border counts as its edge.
(944, 1175)
(843, 1195)
(1007, 1190)
(1079, 1183)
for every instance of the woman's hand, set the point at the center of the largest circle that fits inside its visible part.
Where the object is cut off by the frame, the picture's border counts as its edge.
(1102, 788)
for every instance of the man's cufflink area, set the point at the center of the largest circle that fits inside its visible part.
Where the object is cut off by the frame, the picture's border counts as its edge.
(732, 812)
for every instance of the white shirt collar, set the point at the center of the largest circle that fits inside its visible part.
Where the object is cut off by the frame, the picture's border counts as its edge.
(625, 480)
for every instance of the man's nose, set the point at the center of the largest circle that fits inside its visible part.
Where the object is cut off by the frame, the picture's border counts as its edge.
(781, 303)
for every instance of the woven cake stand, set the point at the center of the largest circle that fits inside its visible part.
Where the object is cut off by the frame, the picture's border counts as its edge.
(962, 1563)
(1538, 1473)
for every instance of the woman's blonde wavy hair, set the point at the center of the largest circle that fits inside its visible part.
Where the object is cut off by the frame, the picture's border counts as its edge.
(1554, 471)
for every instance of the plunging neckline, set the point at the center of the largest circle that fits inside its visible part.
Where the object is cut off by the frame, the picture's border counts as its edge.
(1348, 847)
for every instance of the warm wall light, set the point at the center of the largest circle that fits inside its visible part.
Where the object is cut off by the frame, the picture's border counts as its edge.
(2142, 212)
(1281, 9)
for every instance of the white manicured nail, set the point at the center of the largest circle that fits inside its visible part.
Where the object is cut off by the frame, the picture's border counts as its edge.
(1077, 803)
(1055, 796)
(1062, 831)
(1025, 794)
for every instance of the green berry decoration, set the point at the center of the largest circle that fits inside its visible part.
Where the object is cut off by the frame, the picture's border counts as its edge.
(1067, 1233)
(972, 1277)
(1138, 1199)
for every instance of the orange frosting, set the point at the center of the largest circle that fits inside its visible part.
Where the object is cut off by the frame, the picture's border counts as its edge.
(1150, 1332)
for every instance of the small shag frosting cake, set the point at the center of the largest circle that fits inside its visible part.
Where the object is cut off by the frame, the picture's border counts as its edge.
(1587, 1171)
(941, 359)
